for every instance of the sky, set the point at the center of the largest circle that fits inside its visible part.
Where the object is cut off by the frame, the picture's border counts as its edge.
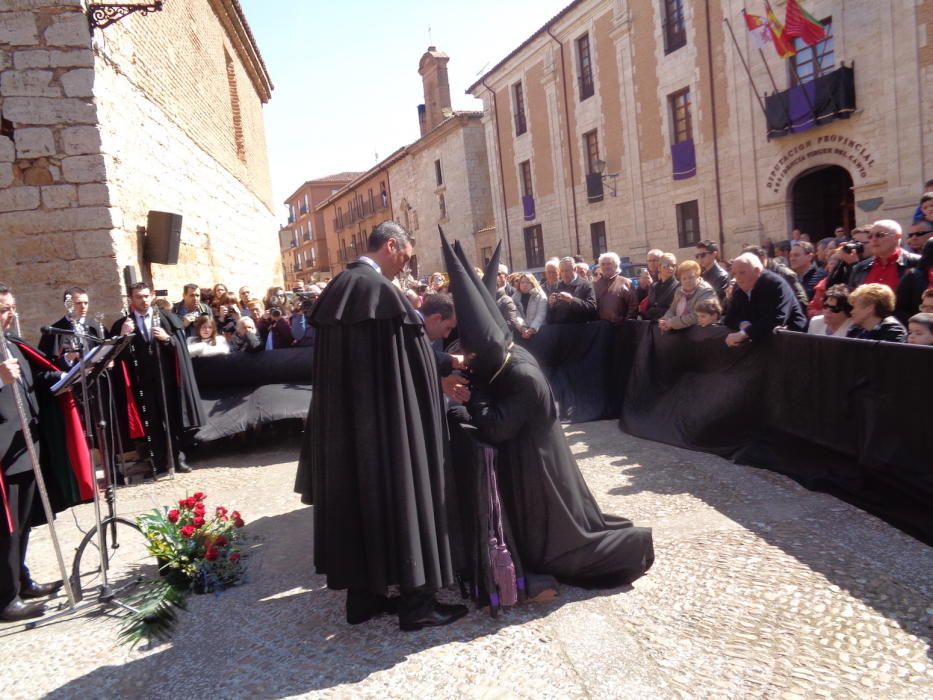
(346, 73)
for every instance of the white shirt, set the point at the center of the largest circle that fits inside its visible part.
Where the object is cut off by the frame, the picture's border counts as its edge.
(144, 324)
(818, 327)
(371, 263)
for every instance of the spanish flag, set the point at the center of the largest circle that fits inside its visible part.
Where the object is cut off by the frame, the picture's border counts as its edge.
(783, 44)
(800, 23)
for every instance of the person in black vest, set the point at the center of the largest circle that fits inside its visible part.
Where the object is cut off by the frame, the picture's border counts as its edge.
(761, 302)
(182, 401)
(19, 499)
(60, 348)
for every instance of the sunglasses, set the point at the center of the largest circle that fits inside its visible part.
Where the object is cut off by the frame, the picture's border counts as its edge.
(919, 234)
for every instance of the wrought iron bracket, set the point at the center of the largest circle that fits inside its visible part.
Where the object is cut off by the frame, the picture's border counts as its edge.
(102, 15)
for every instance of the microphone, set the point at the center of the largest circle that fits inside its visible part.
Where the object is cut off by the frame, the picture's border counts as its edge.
(52, 330)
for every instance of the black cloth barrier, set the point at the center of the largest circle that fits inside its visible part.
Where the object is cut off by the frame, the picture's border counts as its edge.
(241, 391)
(848, 417)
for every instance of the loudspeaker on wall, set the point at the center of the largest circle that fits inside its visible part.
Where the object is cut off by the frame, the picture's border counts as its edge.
(163, 237)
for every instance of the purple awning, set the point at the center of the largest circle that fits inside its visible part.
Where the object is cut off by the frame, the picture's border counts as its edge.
(684, 158)
(528, 206)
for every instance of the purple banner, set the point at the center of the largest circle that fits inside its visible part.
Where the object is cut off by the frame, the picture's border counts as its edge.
(528, 206)
(684, 159)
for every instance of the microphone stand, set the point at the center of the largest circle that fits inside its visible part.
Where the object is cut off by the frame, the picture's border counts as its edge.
(170, 448)
(105, 592)
(24, 422)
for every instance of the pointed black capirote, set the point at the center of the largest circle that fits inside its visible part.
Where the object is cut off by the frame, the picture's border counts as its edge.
(479, 323)
(490, 296)
(491, 273)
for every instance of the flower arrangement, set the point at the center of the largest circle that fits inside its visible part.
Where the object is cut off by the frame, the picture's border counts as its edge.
(196, 553)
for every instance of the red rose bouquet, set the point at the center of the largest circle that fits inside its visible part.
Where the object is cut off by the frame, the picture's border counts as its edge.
(195, 550)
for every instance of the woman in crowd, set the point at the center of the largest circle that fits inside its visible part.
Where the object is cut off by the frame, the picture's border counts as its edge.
(914, 283)
(205, 342)
(220, 291)
(693, 290)
(276, 297)
(661, 293)
(531, 304)
(872, 306)
(437, 284)
(226, 309)
(836, 318)
(815, 307)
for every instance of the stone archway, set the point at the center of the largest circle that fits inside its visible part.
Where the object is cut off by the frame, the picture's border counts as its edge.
(822, 199)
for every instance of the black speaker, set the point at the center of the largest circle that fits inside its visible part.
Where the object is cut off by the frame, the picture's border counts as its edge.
(129, 276)
(163, 237)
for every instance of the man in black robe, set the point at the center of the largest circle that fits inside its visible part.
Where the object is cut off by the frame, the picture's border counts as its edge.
(373, 459)
(557, 524)
(161, 380)
(18, 497)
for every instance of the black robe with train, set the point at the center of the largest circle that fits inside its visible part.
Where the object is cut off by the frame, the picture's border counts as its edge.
(372, 461)
(557, 524)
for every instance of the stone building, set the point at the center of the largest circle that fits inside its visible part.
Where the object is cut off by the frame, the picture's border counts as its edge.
(442, 178)
(632, 124)
(302, 240)
(161, 112)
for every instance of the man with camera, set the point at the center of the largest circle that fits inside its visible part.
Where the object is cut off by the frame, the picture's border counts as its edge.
(274, 327)
(572, 299)
(302, 306)
(190, 307)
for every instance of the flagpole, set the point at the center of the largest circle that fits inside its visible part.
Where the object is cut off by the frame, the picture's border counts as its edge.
(793, 67)
(745, 66)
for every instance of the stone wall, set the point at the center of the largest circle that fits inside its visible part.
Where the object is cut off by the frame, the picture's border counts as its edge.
(99, 131)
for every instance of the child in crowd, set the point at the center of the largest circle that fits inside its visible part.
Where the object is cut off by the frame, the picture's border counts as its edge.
(708, 312)
(920, 329)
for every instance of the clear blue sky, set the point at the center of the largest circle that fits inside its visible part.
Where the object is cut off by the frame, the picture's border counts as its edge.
(346, 73)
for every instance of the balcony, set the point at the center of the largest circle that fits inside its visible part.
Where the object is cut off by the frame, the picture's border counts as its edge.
(306, 236)
(291, 219)
(302, 209)
(818, 102)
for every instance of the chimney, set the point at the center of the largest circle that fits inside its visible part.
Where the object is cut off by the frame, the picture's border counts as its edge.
(433, 70)
(422, 119)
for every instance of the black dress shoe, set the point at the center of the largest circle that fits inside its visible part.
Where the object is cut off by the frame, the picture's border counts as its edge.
(17, 610)
(438, 615)
(31, 589)
(183, 467)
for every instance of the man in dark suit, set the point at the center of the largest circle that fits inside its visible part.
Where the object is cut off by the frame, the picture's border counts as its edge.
(60, 348)
(19, 482)
(572, 300)
(157, 357)
(761, 302)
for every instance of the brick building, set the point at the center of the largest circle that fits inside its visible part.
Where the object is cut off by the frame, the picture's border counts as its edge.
(160, 112)
(303, 240)
(632, 124)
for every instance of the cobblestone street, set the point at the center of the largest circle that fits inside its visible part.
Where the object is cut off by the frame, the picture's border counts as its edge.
(760, 589)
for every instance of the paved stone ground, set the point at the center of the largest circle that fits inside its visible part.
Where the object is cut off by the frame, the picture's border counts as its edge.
(760, 589)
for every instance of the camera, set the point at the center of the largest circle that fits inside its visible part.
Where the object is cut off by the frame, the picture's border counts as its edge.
(854, 247)
(275, 312)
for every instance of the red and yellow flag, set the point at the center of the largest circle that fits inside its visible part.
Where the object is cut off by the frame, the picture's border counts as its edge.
(758, 28)
(800, 23)
(783, 44)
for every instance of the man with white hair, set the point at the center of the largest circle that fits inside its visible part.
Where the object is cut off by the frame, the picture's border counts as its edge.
(583, 271)
(572, 300)
(761, 302)
(502, 279)
(551, 276)
(888, 261)
(616, 300)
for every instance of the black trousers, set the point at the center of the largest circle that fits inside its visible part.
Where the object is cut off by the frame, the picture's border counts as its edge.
(21, 492)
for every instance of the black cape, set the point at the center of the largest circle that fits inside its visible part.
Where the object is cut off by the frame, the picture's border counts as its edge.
(372, 461)
(556, 522)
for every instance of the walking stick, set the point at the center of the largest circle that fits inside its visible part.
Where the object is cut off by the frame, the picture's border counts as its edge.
(24, 422)
(170, 447)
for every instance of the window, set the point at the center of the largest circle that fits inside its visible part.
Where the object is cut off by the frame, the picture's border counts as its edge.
(586, 67)
(525, 168)
(486, 255)
(383, 195)
(306, 208)
(681, 126)
(534, 246)
(591, 147)
(339, 217)
(442, 205)
(438, 175)
(675, 31)
(811, 62)
(598, 237)
(688, 224)
(520, 126)
(372, 201)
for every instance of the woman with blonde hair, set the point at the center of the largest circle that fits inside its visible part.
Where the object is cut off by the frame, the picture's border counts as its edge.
(872, 306)
(531, 303)
(693, 289)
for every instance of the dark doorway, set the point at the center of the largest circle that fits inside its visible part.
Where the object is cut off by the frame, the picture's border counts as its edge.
(821, 200)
